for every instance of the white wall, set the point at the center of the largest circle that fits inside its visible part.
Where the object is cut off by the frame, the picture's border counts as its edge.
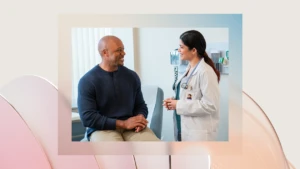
(152, 60)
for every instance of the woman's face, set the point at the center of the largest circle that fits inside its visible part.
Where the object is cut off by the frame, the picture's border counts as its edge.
(185, 53)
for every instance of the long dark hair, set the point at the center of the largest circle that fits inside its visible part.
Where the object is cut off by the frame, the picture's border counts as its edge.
(194, 39)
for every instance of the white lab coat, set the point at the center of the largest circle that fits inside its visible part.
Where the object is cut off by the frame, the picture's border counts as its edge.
(200, 115)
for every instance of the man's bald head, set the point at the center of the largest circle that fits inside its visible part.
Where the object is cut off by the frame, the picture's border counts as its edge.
(107, 42)
(111, 50)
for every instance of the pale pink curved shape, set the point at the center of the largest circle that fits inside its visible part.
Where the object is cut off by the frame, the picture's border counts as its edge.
(150, 162)
(190, 162)
(260, 139)
(116, 162)
(291, 165)
(36, 100)
(18, 147)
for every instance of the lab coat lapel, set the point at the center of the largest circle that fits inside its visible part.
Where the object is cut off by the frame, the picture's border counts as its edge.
(182, 76)
(199, 67)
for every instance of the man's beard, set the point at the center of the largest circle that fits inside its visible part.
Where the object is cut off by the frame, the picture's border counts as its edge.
(115, 63)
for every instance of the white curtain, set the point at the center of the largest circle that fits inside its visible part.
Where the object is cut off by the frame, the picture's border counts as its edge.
(85, 53)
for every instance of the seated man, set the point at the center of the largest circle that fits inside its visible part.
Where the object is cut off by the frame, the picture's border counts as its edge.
(110, 100)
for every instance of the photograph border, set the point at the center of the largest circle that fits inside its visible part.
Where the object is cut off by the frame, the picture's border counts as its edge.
(231, 21)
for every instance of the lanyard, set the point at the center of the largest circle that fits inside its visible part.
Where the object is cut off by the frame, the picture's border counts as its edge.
(184, 85)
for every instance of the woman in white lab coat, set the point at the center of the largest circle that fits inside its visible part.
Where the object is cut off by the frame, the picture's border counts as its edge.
(199, 99)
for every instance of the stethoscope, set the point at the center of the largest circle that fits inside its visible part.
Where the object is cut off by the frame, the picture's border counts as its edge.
(185, 85)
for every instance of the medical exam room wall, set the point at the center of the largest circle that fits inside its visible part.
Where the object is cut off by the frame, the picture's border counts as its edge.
(152, 63)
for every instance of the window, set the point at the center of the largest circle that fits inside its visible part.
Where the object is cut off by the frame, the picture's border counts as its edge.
(85, 53)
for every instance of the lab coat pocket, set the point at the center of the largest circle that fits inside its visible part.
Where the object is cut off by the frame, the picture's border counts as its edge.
(201, 135)
(197, 135)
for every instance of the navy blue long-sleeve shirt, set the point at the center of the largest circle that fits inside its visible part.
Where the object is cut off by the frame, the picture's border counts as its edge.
(104, 97)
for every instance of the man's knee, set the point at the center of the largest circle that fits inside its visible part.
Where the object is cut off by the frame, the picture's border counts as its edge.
(150, 134)
(107, 135)
(145, 135)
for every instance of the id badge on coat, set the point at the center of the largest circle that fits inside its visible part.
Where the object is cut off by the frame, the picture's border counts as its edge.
(189, 93)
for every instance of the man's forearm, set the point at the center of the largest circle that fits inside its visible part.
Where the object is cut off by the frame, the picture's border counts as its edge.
(95, 120)
(141, 114)
(144, 114)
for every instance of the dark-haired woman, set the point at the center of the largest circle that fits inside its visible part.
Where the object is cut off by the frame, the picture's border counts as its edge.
(198, 100)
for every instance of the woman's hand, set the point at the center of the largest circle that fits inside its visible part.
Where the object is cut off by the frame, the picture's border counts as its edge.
(165, 102)
(170, 103)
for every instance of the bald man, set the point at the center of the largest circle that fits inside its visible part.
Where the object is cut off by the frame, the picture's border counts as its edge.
(110, 100)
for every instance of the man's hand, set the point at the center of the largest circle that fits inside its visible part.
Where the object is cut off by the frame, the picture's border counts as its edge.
(138, 128)
(135, 122)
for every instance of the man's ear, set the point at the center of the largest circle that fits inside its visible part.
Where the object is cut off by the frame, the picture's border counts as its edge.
(104, 52)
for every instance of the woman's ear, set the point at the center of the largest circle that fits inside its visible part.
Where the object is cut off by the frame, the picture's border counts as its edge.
(194, 51)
